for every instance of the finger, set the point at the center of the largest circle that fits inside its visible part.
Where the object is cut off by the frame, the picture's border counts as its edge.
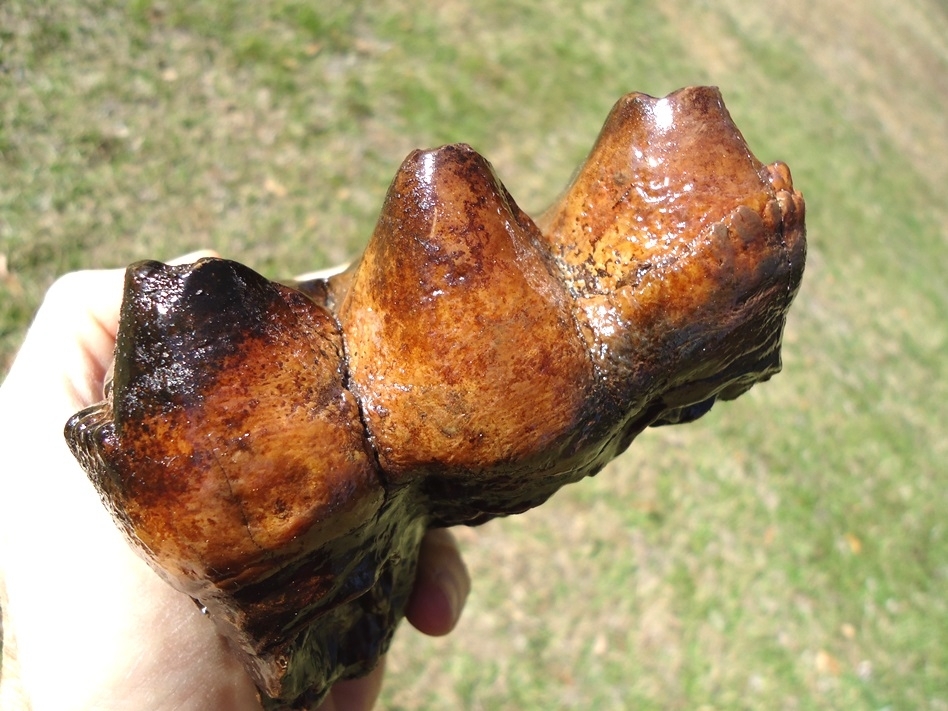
(323, 273)
(70, 343)
(356, 694)
(193, 257)
(441, 587)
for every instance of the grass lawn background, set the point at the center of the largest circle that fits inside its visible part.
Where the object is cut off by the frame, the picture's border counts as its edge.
(787, 551)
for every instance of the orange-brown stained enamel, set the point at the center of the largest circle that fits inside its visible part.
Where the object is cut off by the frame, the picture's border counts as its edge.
(225, 459)
(662, 172)
(462, 346)
(682, 250)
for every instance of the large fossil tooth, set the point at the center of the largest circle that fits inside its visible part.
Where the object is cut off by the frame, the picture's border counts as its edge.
(277, 451)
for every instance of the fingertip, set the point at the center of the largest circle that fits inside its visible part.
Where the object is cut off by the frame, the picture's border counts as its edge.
(323, 273)
(358, 694)
(441, 586)
(193, 257)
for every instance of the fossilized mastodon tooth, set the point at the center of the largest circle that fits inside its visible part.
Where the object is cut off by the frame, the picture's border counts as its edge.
(277, 451)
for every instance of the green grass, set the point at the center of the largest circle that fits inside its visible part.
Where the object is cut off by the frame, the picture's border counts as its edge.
(789, 550)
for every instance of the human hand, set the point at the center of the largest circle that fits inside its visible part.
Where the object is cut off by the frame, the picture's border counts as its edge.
(86, 623)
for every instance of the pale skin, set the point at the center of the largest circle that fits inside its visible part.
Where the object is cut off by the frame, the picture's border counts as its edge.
(86, 623)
